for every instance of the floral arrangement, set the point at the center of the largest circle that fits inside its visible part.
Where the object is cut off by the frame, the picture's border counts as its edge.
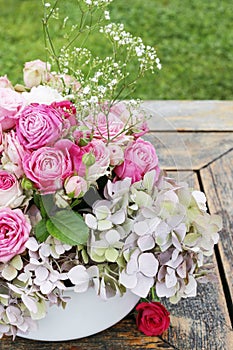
(83, 201)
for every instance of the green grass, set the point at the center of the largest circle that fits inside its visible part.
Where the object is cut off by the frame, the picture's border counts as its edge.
(193, 38)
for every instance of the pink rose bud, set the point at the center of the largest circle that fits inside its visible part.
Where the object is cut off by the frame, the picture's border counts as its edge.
(10, 190)
(75, 186)
(36, 73)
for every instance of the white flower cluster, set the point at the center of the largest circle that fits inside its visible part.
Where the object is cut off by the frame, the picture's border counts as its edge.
(157, 236)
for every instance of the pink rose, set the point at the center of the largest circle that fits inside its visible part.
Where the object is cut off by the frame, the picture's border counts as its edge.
(75, 186)
(13, 154)
(75, 153)
(36, 73)
(10, 190)
(152, 318)
(140, 157)
(109, 125)
(11, 102)
(116, 154)
(143, 129)
(47, 168)
(102, 160)
(38, 126)
(5, 82)
(98, 151)
(67, 110)
(14, 233)
(59, 80)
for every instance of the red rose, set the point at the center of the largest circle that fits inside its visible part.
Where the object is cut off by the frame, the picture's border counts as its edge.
(152, 318)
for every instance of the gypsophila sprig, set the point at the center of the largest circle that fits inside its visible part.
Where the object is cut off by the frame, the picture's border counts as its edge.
(107, 78)
(83, 201)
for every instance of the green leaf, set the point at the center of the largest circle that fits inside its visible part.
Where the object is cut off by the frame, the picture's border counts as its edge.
(41, 231)
(44, 203)
(69, 227)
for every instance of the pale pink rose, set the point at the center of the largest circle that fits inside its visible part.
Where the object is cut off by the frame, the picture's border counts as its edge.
(116, 154)
(109, 125)
(140, 157)
(47, 168)
(14, 233)
(43, 95)
(39, 125)
(5, 82)
(143, 129)
(36, 73)
(102, 160)
(11, 103)
(11, 194)
(75, 186)
(61, 81)
(121, 111)
(13, 154)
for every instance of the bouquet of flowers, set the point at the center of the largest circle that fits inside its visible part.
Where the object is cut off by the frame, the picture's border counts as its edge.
(83, 201)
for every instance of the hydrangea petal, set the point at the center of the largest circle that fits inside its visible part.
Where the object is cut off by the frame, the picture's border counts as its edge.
(148, 264)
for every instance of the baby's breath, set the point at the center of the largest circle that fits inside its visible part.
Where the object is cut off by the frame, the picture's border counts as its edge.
(102, 78)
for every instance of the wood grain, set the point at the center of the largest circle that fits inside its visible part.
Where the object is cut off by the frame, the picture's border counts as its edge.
(218, 185)
(190, 115)
(189, 151)
(202, 322)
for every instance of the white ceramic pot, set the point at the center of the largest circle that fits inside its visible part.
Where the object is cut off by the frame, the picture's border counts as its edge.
(84, 315)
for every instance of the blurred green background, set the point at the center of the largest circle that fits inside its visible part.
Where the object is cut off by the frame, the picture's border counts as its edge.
(193, 38)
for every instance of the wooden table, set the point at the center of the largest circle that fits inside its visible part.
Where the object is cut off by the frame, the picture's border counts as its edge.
(194, 140)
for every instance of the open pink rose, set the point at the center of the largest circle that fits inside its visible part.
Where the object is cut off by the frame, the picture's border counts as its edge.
(39, 125)
(75, 153)
(152, 318)
(140, 157)
(10, 190)
(11, 102)
(47, 168)
(110, 125)
(14, 233)
(35, 73)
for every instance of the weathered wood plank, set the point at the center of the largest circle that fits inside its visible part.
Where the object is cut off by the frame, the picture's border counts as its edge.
(123, 336)
(190, 115)
(201, 322)
(189, 151)
(218, 185)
